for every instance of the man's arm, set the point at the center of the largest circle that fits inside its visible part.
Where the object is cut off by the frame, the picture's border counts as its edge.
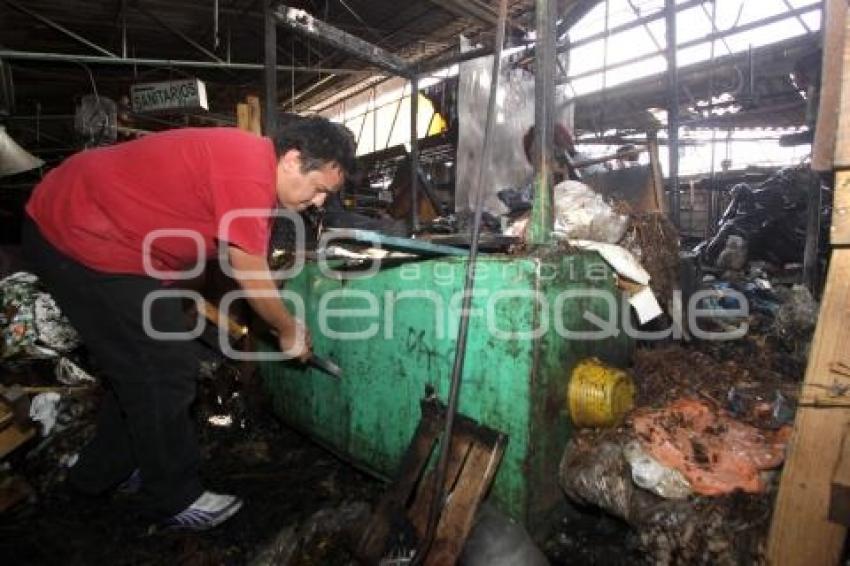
(293, 336)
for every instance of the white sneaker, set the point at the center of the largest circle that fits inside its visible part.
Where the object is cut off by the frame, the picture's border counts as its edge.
(207, 512)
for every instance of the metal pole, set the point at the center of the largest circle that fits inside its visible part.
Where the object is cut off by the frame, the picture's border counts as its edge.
(672, 110)
(437, 502)
(305, 24)
(215, 24)
(414, 154)
(810, 253)
(270, 114)
(67, 58)
(709, 224)
(542, 213)
(124, 29)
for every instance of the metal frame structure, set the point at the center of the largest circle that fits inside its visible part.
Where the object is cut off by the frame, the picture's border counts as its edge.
(107, 57)
(303, 23)
(715, 35)
(542, 213)
(672, 109)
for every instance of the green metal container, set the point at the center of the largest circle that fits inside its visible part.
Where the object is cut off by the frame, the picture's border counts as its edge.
(517, 368)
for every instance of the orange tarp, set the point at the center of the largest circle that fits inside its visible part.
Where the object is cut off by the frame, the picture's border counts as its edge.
(716, 453)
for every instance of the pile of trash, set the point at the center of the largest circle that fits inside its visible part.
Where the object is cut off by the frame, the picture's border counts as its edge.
(741, 378)
(779, 313)
(693, 482)
(31, 325)
(580, 213)
(694, 469)
(766, 222)
(642, 248)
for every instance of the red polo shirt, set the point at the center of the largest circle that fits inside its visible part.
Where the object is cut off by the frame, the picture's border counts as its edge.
(99, 205)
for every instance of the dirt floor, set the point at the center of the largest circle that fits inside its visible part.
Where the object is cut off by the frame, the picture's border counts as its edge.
(296, 495)
(283, 478)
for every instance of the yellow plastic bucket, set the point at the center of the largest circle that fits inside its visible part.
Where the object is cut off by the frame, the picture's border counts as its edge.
(599, 395)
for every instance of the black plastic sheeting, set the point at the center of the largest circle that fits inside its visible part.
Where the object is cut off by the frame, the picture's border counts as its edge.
(771, 217)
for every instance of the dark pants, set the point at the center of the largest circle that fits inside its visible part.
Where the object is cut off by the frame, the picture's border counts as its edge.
(144, 419)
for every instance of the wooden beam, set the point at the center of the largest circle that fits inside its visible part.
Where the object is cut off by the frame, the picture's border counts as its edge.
(13, 490)
(801, 532)
(249, 115)
(832, 79)
(839, 497)
(839, 232)
(243, 116)
(256, 114)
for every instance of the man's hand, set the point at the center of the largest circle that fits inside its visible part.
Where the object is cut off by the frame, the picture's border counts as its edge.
(296, 343)
(263, 295)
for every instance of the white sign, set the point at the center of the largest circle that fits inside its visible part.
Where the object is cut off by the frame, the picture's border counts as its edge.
(187, 94)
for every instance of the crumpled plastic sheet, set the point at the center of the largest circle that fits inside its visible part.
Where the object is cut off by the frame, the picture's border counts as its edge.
(649, 473)
(44, 409)
(69, 373)
(31, 324)
(582, 214)
(696, 530)
(717, 454)
(599, 475)
(498, 540)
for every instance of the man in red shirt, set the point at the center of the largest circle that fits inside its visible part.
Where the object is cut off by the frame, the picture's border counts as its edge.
(110, 225)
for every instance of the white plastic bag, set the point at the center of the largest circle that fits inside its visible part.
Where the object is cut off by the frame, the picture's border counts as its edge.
(582, 214)
(44, 409)
(650, 474)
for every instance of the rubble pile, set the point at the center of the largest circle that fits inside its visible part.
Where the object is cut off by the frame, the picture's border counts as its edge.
(654, 241)
(673, 372)
(693, 471)
(726, 529)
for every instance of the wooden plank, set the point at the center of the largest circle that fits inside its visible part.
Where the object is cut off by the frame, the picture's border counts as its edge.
(421, 507)
(657, 176)
(839, 497)
(839, 232)
(11, 437)
(459, 514)
(371, 545)
(256, 121)
(800, 532)
(823, 148)
(6, 415)
(243, 116)
(842, 136)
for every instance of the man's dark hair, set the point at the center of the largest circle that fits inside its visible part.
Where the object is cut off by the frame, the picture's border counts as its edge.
(319, 140)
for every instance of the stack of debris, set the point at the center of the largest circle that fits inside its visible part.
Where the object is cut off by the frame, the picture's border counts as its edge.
(641, 246)
(767, 222)
(693, 470)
